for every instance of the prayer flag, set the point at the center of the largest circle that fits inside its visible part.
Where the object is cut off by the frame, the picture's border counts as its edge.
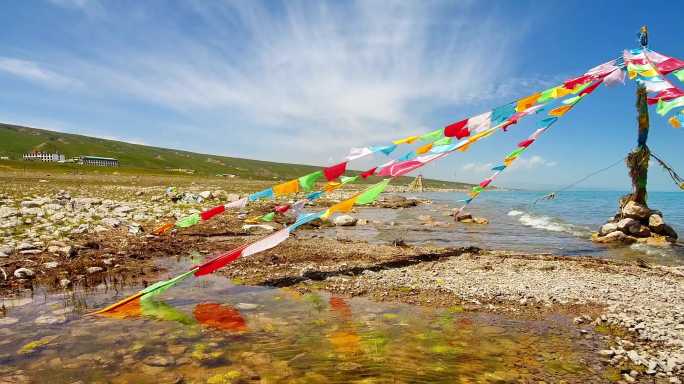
(188, 221)
(406, 140)
(525, 143)
(424, 149)
(674, 122)
(369, 172)
(268, 192)
(268, 217)
(666, 106)
(208, 214)
(371, 194)
(499, 168)
(560, 111)
(343, 206)
(432, 136)
(527, 102)
(458, 130)
(286, 188)
(307, 181)
(335, 171)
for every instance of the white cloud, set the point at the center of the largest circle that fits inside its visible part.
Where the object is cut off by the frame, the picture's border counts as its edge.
(477, 167)
(32, 71)
(521, 163)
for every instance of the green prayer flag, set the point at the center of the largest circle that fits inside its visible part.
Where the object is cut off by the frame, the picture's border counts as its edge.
(572, 100)
(679, 74)
(443, 141)
(666, 106)
(546, 95)
(371, 194)
(163, 285)
(347, 179)
(268, 217)
(162, 311)
(307, 181)
(477, 189)
(188, 221)
(432, 136)
(516, 153)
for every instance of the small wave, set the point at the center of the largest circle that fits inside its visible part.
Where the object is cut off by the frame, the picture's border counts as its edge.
(650, 250)
(549, 224)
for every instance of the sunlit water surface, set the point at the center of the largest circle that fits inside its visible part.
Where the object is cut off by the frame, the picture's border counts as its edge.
(210, 331)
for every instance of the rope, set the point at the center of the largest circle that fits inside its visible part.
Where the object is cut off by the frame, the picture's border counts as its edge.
(552, 195)
(675, 177)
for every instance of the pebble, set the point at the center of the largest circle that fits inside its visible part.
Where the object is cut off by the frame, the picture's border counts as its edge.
(246, 306)
(8, 320)
(23, 273)
(50, 320)
(91, 270)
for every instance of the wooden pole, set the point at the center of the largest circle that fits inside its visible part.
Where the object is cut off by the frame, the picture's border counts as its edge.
(637, 160)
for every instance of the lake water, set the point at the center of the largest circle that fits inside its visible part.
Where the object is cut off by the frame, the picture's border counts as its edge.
(211, 331)
(562, 226)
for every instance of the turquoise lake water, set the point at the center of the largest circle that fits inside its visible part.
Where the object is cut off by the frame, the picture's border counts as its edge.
(563, 225)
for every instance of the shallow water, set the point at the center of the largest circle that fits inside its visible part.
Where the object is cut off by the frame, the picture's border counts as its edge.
(210, 331)
(561, 227)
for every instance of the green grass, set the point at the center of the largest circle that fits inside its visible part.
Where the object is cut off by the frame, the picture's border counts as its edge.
(135, 158)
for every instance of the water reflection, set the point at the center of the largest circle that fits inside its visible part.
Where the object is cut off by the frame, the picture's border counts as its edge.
(212, 332)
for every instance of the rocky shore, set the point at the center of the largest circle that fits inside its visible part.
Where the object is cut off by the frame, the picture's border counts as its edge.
(64, 240)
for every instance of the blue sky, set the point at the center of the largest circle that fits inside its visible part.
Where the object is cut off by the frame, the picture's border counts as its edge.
(305, 81)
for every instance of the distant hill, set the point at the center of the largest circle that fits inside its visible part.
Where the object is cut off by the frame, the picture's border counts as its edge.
(16, 140)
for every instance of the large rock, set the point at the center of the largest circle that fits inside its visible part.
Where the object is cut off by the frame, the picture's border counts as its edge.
(345, 221)
(636, 211)
(395, 201)
(608, 228)
(628, 225)
(656, 222)
(257, 228)
(668, 231)
(616, 237)
(639, 231)
(205, 194)
(8, 212)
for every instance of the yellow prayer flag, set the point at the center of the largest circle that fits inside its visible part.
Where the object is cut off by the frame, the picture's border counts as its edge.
(527, 102)
(331, 186)
(286, 188)
(342, 206)
(632, 74)
(507, 161)
(423, 149)
(561, 91)
(674, 122)
(560, 111)
(465, 147)
(407, 140)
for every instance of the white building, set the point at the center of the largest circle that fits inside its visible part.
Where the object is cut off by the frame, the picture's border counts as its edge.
(43, 156)
(99, 161)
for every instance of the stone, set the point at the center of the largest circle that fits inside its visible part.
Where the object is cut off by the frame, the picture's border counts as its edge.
(8, 320)
(628, 378)
(49, 320)
(25, 247)
(135, 229)
(606, 352)
(246, 306)
(159, 361)
(232, 197)
(6, 249)
(396, 201)
(6, 212)
(480, 220)
(626, 225)
(91, 270)
(205, 194)
(345, 221)
(51, 265)
(257, 228)
(464, 218)
(640, 231)
(34, 203)
(668, 231)
(614, 237)
(64, 283)
(23, 273)
(636, 211)
(608, 228)
(111, 222)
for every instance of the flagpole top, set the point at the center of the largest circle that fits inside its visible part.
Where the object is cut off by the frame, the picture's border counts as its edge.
(643, 36)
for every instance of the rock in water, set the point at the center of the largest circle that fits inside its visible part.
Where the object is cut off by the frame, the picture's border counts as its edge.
(627, 225)
(614, 237)
(464, 218)
(656, 222)
(608, 228)
(345, 221)
(635, 210)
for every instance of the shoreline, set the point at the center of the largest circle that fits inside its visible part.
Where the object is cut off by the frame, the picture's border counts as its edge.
(637, 307)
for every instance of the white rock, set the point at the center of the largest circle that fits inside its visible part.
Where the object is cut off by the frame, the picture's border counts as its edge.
(246, 306)
(92, 270)
(8, 212)
(205, 194)
(49, 320)
(111, 222)
(257, 228)
(23, 273)
(345, 220)
(608, 228)
(50, 265)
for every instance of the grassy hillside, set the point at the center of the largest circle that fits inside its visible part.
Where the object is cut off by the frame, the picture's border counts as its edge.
(17, 140)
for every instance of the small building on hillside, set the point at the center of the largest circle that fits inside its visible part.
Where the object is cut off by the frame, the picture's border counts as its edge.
(43, 156)
(99, 161)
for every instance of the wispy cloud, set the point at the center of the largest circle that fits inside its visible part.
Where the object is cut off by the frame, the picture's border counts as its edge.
(33, 71)
(521, 163)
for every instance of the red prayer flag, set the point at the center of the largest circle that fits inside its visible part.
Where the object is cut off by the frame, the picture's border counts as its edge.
(333, 172)
(457, 130)
(282, 208)
(485, 183)
(220, 261)
(572, 83)
(666, 95)
(208, 214)
(670, 65)
(369, 172)
(590, 88)
(525, 143)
